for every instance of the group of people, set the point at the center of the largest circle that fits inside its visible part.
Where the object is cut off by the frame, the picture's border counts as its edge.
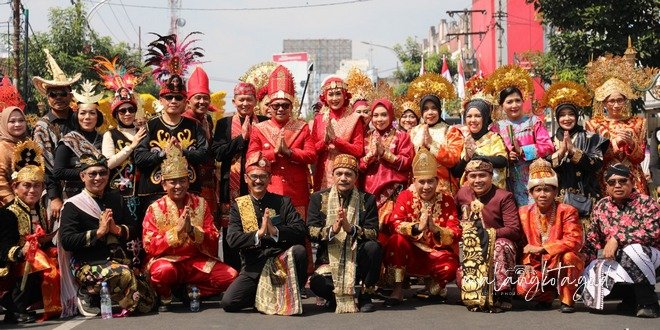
(354, 205)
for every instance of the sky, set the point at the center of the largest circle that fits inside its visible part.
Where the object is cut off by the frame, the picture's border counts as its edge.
(234, 39)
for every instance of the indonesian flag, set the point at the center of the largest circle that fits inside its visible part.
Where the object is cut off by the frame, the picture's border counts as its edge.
(460, 84)
(445, 69)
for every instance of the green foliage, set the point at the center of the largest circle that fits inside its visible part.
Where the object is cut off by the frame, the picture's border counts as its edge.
(73, 44)
(596, 27)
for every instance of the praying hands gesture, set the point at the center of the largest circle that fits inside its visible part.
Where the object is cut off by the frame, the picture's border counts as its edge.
(281, 148)
(566, 146)
(183, 226)
(470, 148)
(624, 135)
(341, 223)
(428, 140)
(107, 225)
(245, 128)
(330, 135)
(424, 219)
(267, 228)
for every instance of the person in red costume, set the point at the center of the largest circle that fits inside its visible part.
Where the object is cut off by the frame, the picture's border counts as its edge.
(285, 142)
(425, 233)
(336, 129)
(387, 162)
(198, 107)
(180, 238)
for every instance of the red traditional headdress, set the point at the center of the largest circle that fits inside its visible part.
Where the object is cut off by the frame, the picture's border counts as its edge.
(9, 96)
(170, 59)
(280, 85)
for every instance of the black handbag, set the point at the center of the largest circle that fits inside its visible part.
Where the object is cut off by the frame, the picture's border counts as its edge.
(579, 201)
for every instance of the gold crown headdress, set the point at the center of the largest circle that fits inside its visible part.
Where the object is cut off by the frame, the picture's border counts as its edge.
(489, 99)
(424, 164)
(541, 173)
(28, 162)
(359, 85)
(475, 85)
(510, 76)
(88, 95)
(407, 105)
(174, 165)
(258, 76)
(566, 92)
(430, 84)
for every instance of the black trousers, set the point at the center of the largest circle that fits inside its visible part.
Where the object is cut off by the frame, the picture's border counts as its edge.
(242, 292)
(18, 301)
(368, 259)
(230, 256)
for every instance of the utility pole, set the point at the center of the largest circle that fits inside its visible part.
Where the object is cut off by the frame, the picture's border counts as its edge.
(16, 9)
(465, 16)
(26, 90)
(499, 17)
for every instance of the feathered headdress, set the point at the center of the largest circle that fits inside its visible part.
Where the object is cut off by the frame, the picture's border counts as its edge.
(172, 57)
(566, 92)
(28, 162)
(430, 84)
(474, 85)
(9, 96)
(510, 76)
(114, 75)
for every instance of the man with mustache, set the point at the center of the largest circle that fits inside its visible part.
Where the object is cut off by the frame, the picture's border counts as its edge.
(498, 215)
(340, 217)
(269, 234)
(230, 144)
(625, 226)
(180, 238)
(553, 233)
(425, 233)
(54, 125)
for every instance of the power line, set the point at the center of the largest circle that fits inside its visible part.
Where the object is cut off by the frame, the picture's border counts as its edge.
(128, 16)
(121, 26)
(327, 4)
(107, 27)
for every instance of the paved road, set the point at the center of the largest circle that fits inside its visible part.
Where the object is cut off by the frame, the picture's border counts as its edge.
(414, 314)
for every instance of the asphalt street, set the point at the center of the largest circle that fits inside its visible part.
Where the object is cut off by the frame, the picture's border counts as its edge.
(413, 314)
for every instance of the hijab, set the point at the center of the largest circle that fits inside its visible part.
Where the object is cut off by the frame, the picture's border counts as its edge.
(4, 125)
(484, 109)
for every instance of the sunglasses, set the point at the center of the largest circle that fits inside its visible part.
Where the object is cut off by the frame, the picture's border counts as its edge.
(54, 94)
(255, 177)
(170, 97)
(283, 106)
(127, 110)
(94, 174)
(614, 182)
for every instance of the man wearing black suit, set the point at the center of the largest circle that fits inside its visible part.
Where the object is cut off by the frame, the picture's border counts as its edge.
(265, 228)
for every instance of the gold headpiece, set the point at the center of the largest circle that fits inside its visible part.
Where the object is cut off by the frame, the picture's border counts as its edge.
(359, 85)
(475, 85)
(487, 98)
(430, 84)
(475, 165)
(59, 77)
(541, 173)
(88, 95)
(174, 165)
(345, 161)
(258, 76)
(28, 162)
(407, 105)
(510, 76)
(424, 164)
(566, 92)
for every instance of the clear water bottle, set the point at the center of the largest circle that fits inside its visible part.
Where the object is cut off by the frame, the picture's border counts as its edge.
(194, 299)
(106, 302)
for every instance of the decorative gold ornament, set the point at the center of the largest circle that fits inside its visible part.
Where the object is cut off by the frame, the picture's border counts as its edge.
(566, 92)
(174, 165)
(88, 95)
(359, 85)
(430, 84)
(541, 173)
(407, 105)
(28, 162)
(510, 76)
(424, 164)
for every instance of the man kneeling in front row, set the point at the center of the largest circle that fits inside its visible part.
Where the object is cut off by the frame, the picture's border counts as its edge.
(268, 232)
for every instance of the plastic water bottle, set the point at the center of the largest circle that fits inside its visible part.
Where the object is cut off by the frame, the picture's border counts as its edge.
(106, 302)
(194, 299)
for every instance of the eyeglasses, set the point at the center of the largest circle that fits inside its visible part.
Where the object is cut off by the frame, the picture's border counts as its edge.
(616, 101)
(94, 174)
(614, 182)
(177, 97)
(283, 106)
(60, 93)
(255, 177)
(127, 110)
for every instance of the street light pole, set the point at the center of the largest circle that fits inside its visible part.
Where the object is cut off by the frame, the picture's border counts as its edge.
(386, 47)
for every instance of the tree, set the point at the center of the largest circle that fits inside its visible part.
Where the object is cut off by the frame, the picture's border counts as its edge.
(73, 44)
(410, 55)
(591, 28)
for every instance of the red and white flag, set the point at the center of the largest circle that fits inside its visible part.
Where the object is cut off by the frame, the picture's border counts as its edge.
(460, 83)
(445, 69)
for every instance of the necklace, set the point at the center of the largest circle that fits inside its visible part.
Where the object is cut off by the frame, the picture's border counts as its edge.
(544, 223)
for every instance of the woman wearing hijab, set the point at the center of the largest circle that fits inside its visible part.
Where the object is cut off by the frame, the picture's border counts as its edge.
(13, 129)
(386, 166)
(443, 141)
(409, 117)
(480, 141)
(579, 154)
